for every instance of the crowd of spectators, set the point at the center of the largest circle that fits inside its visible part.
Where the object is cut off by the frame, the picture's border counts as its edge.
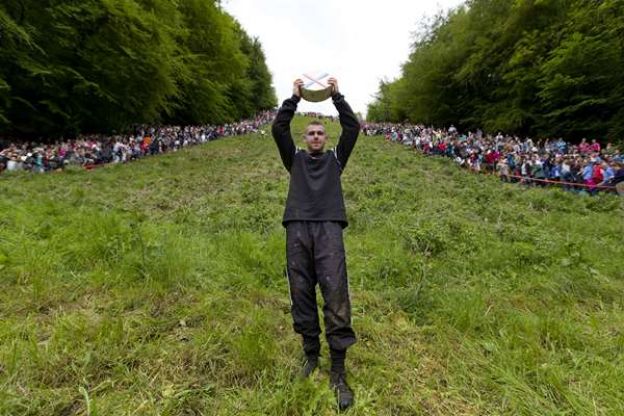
(585, 167)
(93, 150)
(318, 116)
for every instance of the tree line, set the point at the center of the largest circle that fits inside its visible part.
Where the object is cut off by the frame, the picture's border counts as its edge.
(71, 66)
(537, 67)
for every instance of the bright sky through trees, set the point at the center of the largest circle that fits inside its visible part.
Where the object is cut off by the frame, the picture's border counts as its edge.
(358, 42)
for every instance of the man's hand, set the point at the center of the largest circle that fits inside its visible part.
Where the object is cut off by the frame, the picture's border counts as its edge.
(334, 84)
(297, 87)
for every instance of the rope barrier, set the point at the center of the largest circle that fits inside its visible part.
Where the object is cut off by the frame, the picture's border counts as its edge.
(575, 184)
(571, 184)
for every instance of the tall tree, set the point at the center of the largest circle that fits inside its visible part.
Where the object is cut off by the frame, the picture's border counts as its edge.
(543, 67)
(69, 66)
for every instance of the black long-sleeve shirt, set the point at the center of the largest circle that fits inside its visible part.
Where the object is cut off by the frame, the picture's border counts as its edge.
(315, 191)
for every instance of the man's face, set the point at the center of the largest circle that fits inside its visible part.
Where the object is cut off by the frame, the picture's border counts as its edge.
(315, 138)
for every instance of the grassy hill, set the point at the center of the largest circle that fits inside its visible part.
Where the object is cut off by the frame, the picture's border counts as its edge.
(156, 287)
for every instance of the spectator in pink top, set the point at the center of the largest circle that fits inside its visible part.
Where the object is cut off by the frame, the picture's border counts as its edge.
(595, 146)
(583, 146)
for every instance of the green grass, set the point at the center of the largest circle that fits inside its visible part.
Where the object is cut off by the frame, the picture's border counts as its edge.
(157, 288)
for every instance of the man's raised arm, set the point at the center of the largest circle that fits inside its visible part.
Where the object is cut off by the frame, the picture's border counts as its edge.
(349, 123)
(281, 126)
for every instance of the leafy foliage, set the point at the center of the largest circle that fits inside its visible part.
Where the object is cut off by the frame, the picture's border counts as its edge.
(539, 67)
(98, 65)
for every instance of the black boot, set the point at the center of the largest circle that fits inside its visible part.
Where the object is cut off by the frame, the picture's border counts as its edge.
(344, 394)
(310, 363)
(338, 379)
(311, 349)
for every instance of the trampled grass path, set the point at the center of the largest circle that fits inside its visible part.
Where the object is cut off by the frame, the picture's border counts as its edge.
(156, 287)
